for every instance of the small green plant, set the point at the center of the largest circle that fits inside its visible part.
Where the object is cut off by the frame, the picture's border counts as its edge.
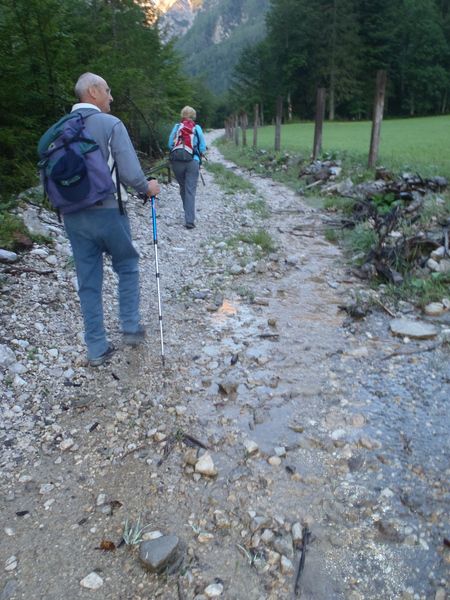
(385, 202)
(133, 532)
(10, 228)
(255, 559)
(246, 293)
(32, 352)
(421, 291)
(259, 207)
(260, 238)
(361, 239)
(331, 235)
(435, 209)
(337, 203)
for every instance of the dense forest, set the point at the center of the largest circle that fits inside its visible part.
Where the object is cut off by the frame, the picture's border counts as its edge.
(339, 45)
(46, 44)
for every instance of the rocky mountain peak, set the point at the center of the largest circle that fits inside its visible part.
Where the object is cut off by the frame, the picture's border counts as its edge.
(177, 16)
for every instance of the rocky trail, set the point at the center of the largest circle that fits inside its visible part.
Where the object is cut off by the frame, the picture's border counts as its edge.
(284, 451)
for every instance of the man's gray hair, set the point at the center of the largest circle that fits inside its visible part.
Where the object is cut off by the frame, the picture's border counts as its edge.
(84, 82)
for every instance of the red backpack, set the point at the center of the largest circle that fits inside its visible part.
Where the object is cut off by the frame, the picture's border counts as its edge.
(184, 141)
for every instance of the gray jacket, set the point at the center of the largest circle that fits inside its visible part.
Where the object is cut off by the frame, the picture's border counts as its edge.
(112, 136)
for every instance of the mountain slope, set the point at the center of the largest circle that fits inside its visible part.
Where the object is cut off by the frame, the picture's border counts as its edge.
(220, 31)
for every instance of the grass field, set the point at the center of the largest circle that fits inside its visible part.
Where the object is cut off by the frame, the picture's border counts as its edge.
(421, 144)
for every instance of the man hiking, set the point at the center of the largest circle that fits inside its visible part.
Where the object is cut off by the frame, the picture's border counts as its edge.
(104, 227)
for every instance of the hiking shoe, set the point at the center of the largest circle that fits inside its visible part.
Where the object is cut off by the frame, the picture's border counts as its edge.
(190, 225)
(134, 339)
(100, 360)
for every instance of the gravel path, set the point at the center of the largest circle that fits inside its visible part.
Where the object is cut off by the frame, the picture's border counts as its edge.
(279, 428)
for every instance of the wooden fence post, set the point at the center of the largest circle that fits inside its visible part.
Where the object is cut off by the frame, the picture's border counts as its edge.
(320, 114)
(278, 123)
(244, 124)
(378, 108)
(255, 125)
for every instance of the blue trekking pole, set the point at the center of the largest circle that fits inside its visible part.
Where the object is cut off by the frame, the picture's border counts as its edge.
(155, 244)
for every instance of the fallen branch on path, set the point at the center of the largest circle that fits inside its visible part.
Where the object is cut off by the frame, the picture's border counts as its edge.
(16, 270)
(306, 534)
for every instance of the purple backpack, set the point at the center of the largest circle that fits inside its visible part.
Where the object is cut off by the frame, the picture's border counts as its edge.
(73, 169)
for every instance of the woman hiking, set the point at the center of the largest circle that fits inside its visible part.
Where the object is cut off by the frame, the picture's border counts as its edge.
(186, 145)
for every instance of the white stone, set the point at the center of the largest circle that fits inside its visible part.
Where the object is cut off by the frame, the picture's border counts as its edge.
(92, 581)
(205, 537)
(433, 265)
(434, 309)
(286, 566)
(214, 590)
(46, 488)
(275, 461)
(296, 532)
(438, 253)
(18, 381)
(251, 447)
(413, 329)
(151, 535)
(39, 252)
(11, 563)
(205, 465)
(8, 257)
(361, 352)
(66, 444)
(444, 266)
(338, 434)
(280, 451)
(101, 499)
(445, 335)
(7, 356)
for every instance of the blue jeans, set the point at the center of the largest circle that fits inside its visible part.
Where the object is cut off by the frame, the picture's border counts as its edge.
(93, 232)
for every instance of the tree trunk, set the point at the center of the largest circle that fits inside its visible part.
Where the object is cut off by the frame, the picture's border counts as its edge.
(289, 106)
(255, 126)
(278, 123)
(244, 123)
(320, 113)
(377, 117)
(236, 130)
(332, 94)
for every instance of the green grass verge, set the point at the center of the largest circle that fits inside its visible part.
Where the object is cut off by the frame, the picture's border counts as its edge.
(229, 181)
(418, 144)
